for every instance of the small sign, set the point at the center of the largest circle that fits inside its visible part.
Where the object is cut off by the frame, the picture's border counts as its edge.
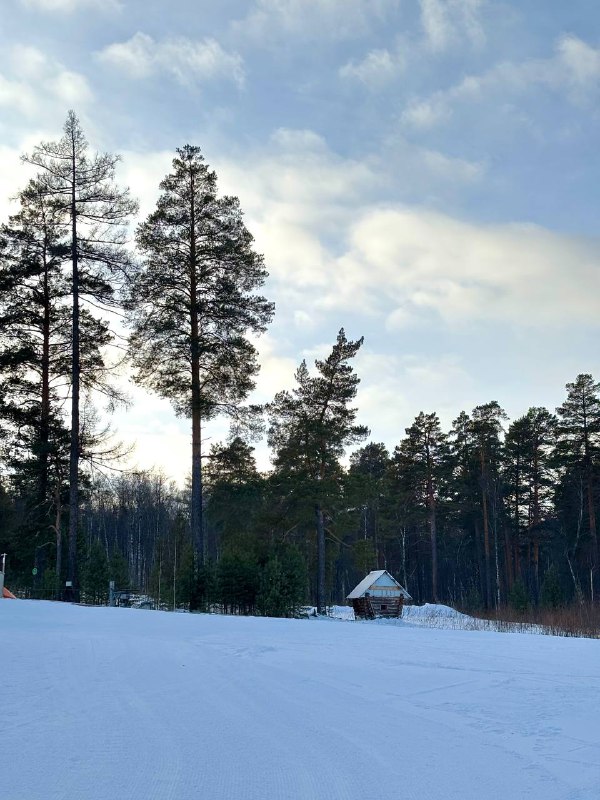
(68, 584)
(34, 571)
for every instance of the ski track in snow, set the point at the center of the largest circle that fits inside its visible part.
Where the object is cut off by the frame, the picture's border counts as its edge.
(100, 703)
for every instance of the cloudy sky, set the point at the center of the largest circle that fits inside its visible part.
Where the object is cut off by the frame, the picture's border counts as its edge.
(422, 172)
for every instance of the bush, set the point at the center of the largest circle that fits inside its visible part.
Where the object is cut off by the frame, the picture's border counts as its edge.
(95, 571)
(552, 595)
(283, 584)
(517, 597)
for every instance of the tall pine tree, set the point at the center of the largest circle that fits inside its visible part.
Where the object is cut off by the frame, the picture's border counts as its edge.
(83, 185)
(194, 303)
(579, 453)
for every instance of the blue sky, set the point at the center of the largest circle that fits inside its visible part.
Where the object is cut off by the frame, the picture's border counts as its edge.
(421, 172)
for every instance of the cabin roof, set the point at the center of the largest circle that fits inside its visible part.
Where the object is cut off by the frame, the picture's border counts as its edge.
(372, 578)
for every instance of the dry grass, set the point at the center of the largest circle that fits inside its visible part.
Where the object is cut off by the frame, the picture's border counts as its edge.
(582, 620)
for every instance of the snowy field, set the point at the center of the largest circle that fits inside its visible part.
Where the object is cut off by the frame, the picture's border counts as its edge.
(103, 703)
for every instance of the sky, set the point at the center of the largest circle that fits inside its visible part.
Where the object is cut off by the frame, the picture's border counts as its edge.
(423, 173)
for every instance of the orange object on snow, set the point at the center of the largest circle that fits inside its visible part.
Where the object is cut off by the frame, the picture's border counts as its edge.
(7, 594)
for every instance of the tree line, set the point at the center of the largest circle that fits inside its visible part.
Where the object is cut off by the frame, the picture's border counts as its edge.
(484, 514)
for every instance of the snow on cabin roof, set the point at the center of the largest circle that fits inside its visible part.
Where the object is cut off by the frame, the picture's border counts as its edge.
(368, 582)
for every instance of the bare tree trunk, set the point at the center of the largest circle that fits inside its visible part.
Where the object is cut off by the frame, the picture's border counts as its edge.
(196, 510)
(320, 560)
(58, 531)
(433, 535)
(515, 542)
(508, 555)
(404, 575)
(75, 379)
(486, 550)
(593, 534)
(480, 561)
(45, 398)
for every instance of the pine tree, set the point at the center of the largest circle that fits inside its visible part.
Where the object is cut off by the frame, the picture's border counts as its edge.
(234, 497)
(83, 187)
(32, 355)
(310, 428)
(95, 576)
(552, 595)
(366, 488)
(35, 357)
(195, 303)
(423, 458)
(486, 429)
(529, 477)
(579, 452)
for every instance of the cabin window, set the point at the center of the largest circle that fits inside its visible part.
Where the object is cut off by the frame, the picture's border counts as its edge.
(383, 607)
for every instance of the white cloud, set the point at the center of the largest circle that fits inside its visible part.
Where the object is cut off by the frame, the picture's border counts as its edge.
(68, 6)
(403, 262)
(376, 69)
(393, 389)
(581, 64)
(424, 114)
(187, 60)
(573, 70)
(332, 248)
(272, 22)
(451, 23)
(464, 272)
(35, 84)
(337, 256)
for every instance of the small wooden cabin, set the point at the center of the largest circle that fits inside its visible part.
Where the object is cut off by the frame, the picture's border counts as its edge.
(378, 595)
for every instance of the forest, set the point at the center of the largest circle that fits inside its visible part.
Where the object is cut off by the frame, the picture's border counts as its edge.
(491, 513)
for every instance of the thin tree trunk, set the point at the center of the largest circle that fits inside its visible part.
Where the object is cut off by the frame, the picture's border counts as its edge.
(593, 534)
(404, 574)
(590, 501)
(486, 552)
(433, 534)
(480, 561)
(320, 560)
(45, 398)
(517, 558)
(486, 536)
(508, 555)
(75, 378)
(58, 531)
(196, 511)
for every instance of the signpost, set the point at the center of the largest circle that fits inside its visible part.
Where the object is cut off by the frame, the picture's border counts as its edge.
(2, 568)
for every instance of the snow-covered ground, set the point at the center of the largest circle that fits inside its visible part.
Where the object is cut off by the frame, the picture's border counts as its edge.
(101, 703)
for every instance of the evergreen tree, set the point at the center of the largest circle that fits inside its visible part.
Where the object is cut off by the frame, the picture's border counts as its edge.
(234, 492)
(195, 303)
(422, 457)
(579, 453)
(310, 428)
(529, 477)
(517, 596)
(552, 595)
(118, 569)
(486, 429)
(35, 355)
(366, 488)
(95, 576)
(83, 187)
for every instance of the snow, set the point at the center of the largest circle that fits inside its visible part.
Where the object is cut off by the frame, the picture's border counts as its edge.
(99, 703)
